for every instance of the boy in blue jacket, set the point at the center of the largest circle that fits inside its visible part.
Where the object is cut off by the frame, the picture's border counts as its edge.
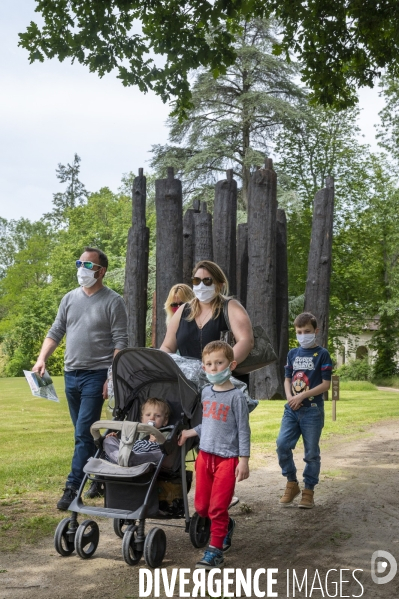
(307, 377)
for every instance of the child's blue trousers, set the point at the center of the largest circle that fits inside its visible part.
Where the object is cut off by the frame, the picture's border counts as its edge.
(309, 423)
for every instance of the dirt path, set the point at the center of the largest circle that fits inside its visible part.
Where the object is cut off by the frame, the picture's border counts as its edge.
(356, 514)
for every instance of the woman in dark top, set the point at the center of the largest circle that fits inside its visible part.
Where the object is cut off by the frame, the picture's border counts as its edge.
(201, 320)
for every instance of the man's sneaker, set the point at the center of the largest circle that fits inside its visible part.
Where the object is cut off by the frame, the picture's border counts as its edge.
(307, 500)
(291, 491)
(213, 558)
(227, 538)
(67, 498)
(96, 489)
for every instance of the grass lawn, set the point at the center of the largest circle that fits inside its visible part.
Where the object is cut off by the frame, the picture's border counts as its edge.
(37, 445)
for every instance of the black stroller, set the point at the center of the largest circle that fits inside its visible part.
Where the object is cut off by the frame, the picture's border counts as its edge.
(132, 493)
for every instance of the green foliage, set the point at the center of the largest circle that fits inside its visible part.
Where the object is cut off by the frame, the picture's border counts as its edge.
(355, 370)
(386, 342)
(341, 45)
(24, 329)
(75, 193)
(14, 236)
(234, 118)
(41, 268)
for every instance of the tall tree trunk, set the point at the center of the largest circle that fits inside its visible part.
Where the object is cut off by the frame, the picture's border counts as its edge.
(169, 259)
(136, 272)
(317, 291)
(203, 249)
(282, 290)
(242, 263)
(261, 297)
(224, 228)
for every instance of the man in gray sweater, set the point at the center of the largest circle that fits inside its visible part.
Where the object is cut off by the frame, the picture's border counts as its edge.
(93, 318)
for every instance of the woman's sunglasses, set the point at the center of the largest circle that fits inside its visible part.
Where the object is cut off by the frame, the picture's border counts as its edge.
(197, 281)
(88, 265)
(176, 304)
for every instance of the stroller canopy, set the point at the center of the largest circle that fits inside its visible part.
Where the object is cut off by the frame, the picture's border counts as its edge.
(140, 373)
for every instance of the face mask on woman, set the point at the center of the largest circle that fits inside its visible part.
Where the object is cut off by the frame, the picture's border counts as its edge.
(204, 293)
(307, 340)
(86, 277)
(219, 377)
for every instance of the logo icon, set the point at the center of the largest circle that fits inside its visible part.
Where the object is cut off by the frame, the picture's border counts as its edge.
(379, 564)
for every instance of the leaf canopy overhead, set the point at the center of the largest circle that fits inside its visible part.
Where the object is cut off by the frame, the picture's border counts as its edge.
(341, 45)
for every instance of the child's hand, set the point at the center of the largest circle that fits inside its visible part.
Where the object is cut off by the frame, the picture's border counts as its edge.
(111, 435)
(295, 402)
(186, 434)
(242, 470)
(153, 439)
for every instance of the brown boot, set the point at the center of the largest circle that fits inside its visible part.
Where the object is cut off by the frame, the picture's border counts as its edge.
(307, 499)
(291, 491)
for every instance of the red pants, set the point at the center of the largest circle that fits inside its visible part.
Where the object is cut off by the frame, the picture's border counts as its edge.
(214, 488)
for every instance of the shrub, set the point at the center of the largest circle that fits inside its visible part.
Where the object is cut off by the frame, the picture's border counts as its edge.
(355, 370)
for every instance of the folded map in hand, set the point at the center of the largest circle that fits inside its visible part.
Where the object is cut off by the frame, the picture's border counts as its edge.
(41, 386)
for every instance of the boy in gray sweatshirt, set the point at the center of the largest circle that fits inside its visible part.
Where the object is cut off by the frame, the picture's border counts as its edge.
(224, 449)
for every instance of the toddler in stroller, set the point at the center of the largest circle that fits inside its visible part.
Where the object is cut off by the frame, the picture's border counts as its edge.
(132, 492)
(155, 412)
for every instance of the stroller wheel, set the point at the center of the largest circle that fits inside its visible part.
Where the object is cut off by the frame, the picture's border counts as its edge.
(155, 547)
(87, 537)
(200, 530)
(131, 555)
(120, 526)
(63, 541)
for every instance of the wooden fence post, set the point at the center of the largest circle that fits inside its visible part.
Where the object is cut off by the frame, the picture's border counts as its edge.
(282, 290)
(317, 291)
(203, 249)
(242, 263)
(224, 228)
(261, 296)
(169, 258)
(188, 245)
(136, 272)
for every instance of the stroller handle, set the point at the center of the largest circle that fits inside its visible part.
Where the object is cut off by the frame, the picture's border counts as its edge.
(116, 425)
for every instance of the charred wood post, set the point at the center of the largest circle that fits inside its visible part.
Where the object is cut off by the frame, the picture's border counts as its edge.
(242, 263)
(202, 234)
(188, 246)
(169, 258)
(261, 296)
(317, 292)
(224, 228)
(136, 272)
(282, 290)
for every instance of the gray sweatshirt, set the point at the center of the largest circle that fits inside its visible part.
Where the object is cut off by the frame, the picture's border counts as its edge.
(94, 325)
(225, 423)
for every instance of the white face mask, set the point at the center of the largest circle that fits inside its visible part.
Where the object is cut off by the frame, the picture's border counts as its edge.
(86, 277)
(203, 293)
(307, 340)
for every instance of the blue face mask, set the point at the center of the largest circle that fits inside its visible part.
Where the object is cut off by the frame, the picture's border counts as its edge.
(219, 377)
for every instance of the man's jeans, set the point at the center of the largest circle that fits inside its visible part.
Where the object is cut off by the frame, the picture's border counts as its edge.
(309, 423)
(84, 392)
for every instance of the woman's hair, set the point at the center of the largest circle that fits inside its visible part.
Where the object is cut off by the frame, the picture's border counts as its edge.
(221, 288)
(156, 401)
(183, 291)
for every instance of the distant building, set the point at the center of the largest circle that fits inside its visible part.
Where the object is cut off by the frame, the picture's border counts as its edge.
(356, 347)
